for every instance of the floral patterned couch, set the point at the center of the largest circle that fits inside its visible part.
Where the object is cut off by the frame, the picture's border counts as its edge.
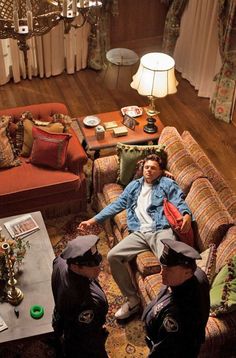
(214, 206)
(29, 186)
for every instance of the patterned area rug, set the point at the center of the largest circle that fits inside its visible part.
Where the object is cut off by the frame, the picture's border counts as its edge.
(124, 340)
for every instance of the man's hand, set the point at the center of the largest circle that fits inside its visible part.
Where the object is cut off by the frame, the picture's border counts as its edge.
(86, 224)
(186, 226)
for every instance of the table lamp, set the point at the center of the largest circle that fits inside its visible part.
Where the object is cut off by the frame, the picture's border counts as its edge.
(155, 78)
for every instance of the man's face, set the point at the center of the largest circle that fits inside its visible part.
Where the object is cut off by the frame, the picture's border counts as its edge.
(151, 171)
(175, 275)
(90, 270)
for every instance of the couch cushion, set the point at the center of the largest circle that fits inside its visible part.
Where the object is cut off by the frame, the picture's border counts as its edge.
(223, 290)
(147, 263)
(226, 249)
(129, 155)
(33, 182)
(212, 218)
(28, 135)
(180, 162)
(49, 149)
(7, 155)
(226, 195)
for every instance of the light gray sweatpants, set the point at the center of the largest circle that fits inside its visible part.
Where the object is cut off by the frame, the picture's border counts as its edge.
(127, 249)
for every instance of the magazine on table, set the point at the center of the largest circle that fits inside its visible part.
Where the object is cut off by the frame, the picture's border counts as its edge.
(21, 226)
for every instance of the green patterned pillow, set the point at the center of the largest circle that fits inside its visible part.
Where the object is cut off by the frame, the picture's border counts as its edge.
(223, 290)
(129, 155)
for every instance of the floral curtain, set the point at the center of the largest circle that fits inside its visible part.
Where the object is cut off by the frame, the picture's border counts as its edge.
(99, 37)
(172, 24)
(223, 100)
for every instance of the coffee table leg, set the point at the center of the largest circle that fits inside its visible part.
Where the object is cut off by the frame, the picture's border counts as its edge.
(84, 144)
(96, 154)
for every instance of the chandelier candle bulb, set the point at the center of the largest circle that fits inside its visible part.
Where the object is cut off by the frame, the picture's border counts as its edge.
(74, 7)
(70, 14)
(81, 3)
(16, 20)
(28, 5)
(23, 29)
(30, 20)
(64, 8)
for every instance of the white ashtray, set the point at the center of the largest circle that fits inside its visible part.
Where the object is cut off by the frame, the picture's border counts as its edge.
(132, 111)
(91, 121)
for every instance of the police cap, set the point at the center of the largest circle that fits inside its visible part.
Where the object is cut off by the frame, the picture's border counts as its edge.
(178, 253)
(82, 250)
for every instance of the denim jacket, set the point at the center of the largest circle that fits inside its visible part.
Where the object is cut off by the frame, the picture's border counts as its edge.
(162, 188)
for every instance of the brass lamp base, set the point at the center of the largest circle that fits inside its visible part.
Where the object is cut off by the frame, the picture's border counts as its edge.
(150, 127)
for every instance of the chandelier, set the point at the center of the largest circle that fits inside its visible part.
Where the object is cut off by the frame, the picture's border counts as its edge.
(22, 19)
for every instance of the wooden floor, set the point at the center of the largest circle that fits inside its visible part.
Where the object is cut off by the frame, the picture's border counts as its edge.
(90, 92)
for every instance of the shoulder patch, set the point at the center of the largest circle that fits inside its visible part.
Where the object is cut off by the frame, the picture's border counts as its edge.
(86, 316)
(170, 324)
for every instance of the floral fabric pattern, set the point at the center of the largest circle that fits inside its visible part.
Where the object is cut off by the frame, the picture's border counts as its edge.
(223, 100)
(172, 25)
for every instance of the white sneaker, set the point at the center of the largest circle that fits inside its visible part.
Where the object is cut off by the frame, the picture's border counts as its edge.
(127, 310)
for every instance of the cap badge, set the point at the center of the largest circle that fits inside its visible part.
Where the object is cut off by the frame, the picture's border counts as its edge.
(170, 324)
(86, 316)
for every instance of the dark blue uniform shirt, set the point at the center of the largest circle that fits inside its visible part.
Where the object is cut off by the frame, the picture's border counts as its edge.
(176, 319)
(80, 311)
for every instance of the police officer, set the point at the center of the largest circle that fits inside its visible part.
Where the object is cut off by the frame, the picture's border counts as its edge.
(80, 303)
(175, 320)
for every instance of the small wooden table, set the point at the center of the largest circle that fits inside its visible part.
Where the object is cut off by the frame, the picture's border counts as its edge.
(137, 136)
(35, 283)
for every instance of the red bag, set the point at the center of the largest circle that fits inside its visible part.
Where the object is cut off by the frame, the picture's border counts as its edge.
(172, 214)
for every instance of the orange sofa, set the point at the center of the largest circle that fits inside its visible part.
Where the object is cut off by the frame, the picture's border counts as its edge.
(29, 187)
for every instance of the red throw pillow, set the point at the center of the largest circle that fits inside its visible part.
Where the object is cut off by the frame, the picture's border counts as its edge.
(175, 220)
(49, 149)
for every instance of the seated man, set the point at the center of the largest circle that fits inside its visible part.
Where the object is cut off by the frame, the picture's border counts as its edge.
(80, 303)
(177, 317)
(143, 200)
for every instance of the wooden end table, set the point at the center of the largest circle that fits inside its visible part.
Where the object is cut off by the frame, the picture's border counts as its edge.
(35, 283)
(137, 136)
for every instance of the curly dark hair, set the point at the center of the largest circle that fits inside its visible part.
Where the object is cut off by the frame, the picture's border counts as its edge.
(160, 159)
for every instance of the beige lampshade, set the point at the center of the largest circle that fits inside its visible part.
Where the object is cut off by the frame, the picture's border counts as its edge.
(155, 76)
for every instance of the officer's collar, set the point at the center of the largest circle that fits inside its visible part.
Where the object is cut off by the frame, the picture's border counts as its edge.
(184, 286)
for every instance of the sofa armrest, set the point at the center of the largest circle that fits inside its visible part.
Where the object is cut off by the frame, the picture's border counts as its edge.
(76, 156)
(105, 171)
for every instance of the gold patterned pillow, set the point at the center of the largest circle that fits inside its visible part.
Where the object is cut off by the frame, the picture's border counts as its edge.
(29, 123)
(7, 154)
